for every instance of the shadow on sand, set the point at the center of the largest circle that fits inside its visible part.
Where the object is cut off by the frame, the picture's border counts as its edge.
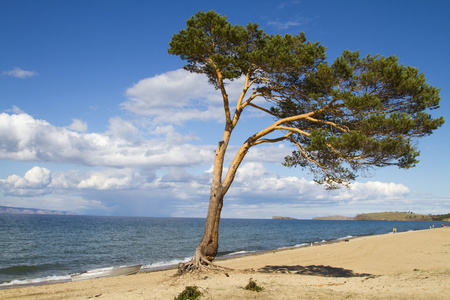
(325, 271)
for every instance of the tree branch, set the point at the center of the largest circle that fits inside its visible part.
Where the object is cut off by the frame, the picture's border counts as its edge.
(292, 129)
(239, 106)
(223, 91)
(300, 148)
(261, 108)
(338, 127)
(282, 138)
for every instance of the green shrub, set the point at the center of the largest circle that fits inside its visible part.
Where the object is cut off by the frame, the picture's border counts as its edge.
(252, 286)
(189, 293)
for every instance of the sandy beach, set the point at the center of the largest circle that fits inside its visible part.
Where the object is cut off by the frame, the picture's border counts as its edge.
(409, 265)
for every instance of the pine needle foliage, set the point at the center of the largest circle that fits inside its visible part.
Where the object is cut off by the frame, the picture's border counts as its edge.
(343, 118)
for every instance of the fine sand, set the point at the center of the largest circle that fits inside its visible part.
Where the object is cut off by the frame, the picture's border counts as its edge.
(410, 265)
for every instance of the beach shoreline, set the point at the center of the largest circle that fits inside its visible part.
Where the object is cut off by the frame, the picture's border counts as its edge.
(406, 265)
(38, 282)
(168, 266)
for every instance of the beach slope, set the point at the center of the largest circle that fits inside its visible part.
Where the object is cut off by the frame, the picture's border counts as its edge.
(410, 265)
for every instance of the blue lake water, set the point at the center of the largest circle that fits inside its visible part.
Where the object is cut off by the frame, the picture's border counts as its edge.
(38, 248)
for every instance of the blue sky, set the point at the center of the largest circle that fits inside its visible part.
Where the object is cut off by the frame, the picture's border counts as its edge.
(97, 118)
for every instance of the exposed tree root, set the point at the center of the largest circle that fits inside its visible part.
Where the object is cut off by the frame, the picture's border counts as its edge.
(198, 264)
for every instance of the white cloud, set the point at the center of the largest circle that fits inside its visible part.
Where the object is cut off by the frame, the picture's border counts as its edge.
(33, 183)
(78, 126)
(63, 202)
(256, 184)
(284, 24)
(68, 180)
(15, 110)
(23, 138)
(112, 179)
(178, 96)
(272, 154)
(14, 182)
(375, 190)
(38, 181)
(256, 193)
(38, 177)
(295, 21)
(172, 136)
(251, 171)
(20, 73)
(122, 129)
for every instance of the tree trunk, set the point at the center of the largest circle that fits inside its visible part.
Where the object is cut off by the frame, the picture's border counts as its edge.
(208, 247)
(209, 244)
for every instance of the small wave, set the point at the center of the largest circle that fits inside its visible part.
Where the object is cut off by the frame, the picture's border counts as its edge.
(320, 242)
(165, 264)
(34, 281)
(345, 238)
(302, 245)
(238, 253)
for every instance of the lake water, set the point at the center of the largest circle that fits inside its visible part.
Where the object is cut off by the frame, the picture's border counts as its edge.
(41, 248)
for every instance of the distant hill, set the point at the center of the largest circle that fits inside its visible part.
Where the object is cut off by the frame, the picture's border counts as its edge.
(394, 216)
(334, 218)
(32, 211)
(282, 218)
(390, 216)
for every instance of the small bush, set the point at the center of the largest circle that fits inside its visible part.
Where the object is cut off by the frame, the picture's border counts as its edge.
(189, 293)
(252, 286)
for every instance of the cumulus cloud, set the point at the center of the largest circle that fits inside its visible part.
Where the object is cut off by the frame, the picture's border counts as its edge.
(112, 179)
(78, 126)
(178, 96)
(39, 180)
(256, 184)
(375, 190)
(38, 177)
(122, 129)
(19, 73)
(23, 138)
(172, 136)
(33, 183)
(256, 192)
(270, 154)
(250, 172)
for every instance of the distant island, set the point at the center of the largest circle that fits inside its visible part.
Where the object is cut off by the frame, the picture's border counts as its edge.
(32, 211)
(390, 216)
(282, 218)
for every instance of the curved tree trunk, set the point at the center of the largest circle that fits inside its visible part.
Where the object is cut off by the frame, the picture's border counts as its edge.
(209, 244)
(208, 247)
